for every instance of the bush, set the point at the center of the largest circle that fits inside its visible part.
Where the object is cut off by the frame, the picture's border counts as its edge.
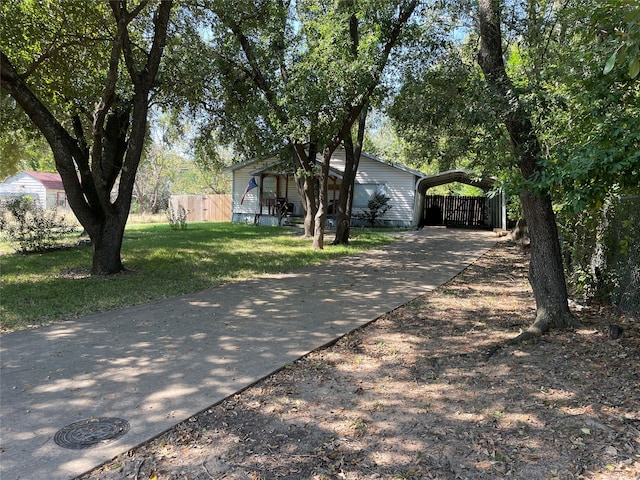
(177, 218)
(29, 228)
(601, 252)
(377, 206)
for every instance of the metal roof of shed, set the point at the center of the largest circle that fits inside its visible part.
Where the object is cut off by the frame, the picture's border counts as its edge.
(50, 181)
(450, 176)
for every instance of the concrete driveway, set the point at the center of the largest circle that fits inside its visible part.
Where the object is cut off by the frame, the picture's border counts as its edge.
(154, 365)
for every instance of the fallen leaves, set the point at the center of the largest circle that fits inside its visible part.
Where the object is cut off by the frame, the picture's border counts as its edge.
(412, 396)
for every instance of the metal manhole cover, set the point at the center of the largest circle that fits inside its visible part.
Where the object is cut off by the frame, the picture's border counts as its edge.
(88, 433)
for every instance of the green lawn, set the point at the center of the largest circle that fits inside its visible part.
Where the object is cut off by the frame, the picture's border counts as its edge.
(161, 262)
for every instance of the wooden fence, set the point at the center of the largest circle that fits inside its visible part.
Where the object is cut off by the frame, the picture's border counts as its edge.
(203, 208)
(455, 211)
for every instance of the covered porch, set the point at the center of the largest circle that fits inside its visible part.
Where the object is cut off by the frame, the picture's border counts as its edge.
(278, 198)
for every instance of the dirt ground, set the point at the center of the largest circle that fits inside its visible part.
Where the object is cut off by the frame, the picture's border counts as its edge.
(414, 395)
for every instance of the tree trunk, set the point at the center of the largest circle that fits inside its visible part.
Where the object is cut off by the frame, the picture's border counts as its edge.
(305, 182)
(345, 199)
(546, 273)
(323, 200)
(309, 193)
(106, 239)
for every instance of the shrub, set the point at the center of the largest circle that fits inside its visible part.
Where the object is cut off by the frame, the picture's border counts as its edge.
(377, 206)
(177, 218)
(29, 228)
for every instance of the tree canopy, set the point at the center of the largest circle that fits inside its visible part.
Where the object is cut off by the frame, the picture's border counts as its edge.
(83, 74)
(561, 76)
(294, 74)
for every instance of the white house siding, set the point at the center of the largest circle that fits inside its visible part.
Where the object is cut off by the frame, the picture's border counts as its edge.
(24, 184)
(246, 211)
(251, 201)
(399, 186)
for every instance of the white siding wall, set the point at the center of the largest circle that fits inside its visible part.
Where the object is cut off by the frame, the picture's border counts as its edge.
(23, 184)
(251, 200)
(399, 186)
(251, 205)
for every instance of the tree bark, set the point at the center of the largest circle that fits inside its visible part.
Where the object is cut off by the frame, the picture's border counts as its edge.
(303, 171)
(546, 274)
(344, 205)
(323, 199)
(106, 239)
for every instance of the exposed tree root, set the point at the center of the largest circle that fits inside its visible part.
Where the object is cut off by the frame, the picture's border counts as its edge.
(534, 332)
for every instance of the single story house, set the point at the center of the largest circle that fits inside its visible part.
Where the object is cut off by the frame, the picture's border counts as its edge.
(44, 187)
(262, 189)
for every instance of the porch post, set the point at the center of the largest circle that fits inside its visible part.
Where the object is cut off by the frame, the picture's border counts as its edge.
(261, 196)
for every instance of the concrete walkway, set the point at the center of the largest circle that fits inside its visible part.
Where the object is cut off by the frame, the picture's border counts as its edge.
(159, 363)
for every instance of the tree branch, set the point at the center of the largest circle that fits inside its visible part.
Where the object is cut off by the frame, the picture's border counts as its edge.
(257, 76)
(52, 52)
(354, 111)
(67, 153)
(143, 83)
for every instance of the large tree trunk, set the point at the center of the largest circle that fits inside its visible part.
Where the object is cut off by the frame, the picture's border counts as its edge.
(344, 205)
(546, 273)
(118, 132)
(106, 239)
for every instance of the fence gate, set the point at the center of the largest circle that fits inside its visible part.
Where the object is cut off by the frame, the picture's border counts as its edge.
(455, 211)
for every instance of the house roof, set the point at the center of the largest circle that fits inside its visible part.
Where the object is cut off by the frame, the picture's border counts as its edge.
(334, 171)
(51, 181)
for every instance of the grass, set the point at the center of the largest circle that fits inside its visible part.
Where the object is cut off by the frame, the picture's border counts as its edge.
(161, 262)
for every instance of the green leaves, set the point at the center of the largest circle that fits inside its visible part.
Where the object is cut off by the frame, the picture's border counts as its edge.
(61, 48)
(625, 15)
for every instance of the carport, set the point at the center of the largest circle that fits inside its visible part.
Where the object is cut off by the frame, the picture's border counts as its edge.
(488, 211)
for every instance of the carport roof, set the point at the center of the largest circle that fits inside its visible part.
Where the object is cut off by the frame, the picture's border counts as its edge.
(450, 176)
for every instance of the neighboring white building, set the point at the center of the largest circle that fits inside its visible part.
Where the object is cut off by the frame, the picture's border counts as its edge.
(274, 186)
(45, 188)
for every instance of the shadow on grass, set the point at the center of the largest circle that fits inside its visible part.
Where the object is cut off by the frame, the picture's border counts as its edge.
(161, 262)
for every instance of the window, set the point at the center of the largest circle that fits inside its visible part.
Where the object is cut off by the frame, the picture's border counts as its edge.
(362, 193)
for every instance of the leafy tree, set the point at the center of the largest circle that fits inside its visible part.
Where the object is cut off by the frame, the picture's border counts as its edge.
(288, 78)
(546, 273)
(23, 149)
(445, 117)
(626, 17)
(570, 131)
(381, 138)
(63, 64)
